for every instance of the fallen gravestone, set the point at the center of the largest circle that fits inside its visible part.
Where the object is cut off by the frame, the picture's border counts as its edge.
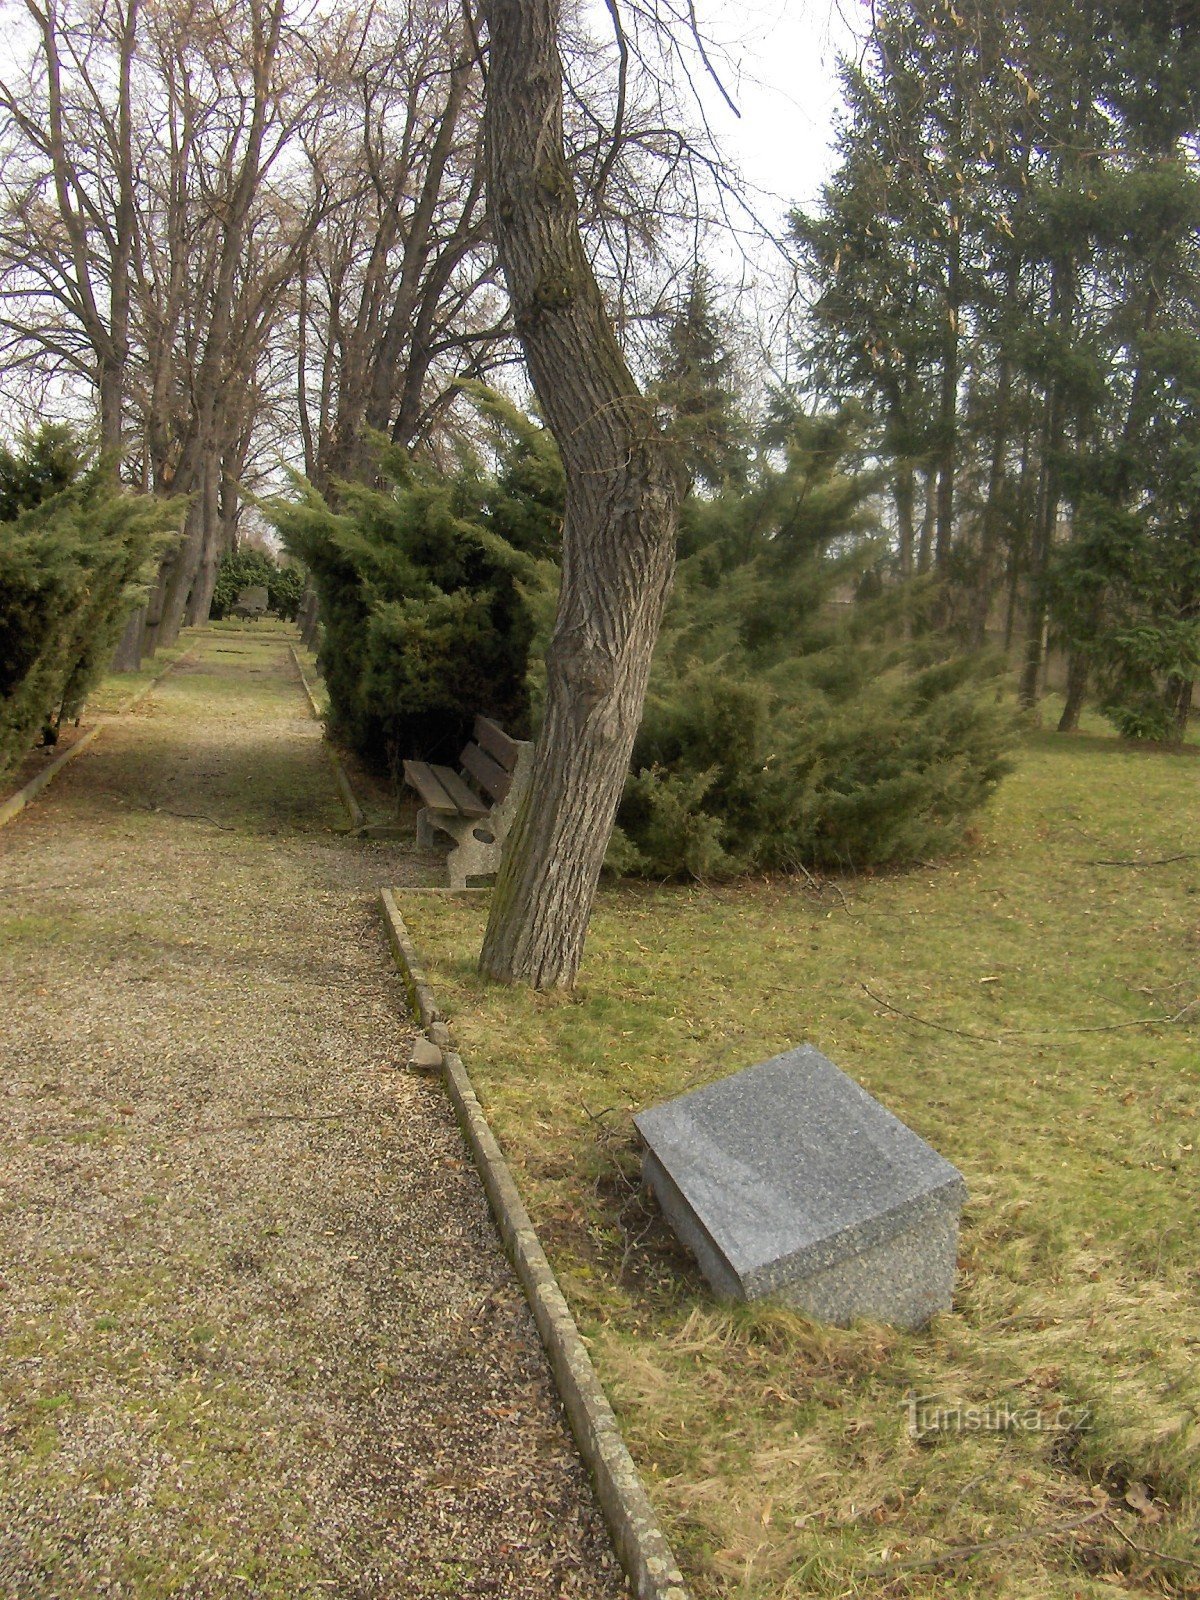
(788, 1179)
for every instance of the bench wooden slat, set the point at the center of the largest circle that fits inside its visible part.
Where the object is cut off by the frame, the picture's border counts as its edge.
(488, 774)
(469, 805)
(421, 776)
(496, 742)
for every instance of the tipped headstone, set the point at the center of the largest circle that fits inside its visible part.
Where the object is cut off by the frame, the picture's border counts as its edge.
(788, 1179)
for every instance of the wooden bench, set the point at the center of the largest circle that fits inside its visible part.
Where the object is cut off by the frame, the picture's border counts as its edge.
(475, 806)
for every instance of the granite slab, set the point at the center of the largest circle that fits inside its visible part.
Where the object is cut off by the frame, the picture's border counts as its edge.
(788, 1179)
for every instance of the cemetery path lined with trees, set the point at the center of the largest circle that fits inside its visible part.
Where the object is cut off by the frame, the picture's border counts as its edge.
(258, 1334)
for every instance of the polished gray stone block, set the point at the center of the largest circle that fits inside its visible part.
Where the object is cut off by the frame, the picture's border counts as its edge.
(788, 1179)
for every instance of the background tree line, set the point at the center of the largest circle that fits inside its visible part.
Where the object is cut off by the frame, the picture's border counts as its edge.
(1003, 270)
(252, 234)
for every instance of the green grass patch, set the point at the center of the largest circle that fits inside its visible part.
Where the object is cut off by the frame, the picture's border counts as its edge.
(117, 688)
(777, 1451)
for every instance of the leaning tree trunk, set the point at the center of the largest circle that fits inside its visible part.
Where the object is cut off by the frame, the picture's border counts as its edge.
(127, 657)
(622, 506)
(217, 538)
(1077, 687)
(1184, 689)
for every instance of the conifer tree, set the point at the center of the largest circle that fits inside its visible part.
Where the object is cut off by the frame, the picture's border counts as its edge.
(1008, 233)
(419, 583)
(73, 554)
(696, 388)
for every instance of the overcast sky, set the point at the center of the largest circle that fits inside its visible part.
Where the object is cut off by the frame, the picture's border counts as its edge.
(783, 60)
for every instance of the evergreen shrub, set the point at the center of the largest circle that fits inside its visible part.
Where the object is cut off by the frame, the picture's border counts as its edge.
(786, 724)
(73, 549)
(853, 752)
(248, 568)
(420, 587)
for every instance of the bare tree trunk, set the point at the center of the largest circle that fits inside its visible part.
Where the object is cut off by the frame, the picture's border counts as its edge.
(1045, 522)
(925, 544)
(904, 493)
(989, 534)
(1077, 683)
(152, 634)
(127, 657)
(948, 399)
(622, 507)
(948, 455)
(213, 534)
(1182, 708)
(178, 574)
(1062, 308)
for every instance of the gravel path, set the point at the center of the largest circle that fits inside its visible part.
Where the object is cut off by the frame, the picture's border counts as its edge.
(258, 1336)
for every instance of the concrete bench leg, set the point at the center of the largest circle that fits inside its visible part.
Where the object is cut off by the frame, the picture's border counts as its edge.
(476, 854)
(425, 840)
(476, 850)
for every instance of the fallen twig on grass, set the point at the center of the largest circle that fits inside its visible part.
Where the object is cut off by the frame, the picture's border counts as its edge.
(633, 1242)
(818, 887)
(963, 1552)
(1007, 1034)
(1160, 861)
(597, 1116)
(1155, 1555)
(1104, 1027)
(925, 1022)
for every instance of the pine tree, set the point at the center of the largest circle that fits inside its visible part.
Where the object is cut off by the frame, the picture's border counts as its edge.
(1009, 229)
(784, 724)
(695, 387)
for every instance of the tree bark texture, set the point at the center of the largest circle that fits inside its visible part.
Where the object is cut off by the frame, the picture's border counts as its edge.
(622, 504)
(990, 532)
(127, 657)
(1077, 686)
(1045, 520)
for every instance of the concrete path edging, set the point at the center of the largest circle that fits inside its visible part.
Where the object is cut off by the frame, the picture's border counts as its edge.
(16, 803)
(358, 817)
(639, 1541)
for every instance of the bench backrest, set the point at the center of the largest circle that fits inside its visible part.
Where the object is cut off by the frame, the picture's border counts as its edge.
(252, 602)
(491, 758)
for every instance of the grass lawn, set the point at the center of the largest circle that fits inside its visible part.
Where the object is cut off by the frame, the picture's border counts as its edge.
(777, 1451)
(117, 688)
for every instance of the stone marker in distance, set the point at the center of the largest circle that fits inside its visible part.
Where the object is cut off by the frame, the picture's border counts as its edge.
(788, 1179)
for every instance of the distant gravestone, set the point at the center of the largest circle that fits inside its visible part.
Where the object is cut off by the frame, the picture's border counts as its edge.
(788, 1179)
(252, 603)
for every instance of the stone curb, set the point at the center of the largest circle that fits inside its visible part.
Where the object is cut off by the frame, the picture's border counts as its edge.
(358, 817)
(640, 1543)
(16, 803)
